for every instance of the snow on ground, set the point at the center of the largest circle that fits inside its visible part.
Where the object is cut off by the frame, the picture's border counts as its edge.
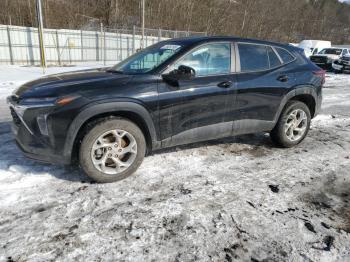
(232, 199)
(14, 76)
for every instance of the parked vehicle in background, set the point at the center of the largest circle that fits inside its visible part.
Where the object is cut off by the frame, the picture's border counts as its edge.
(175, 92)
(312, 47)
(327, 56)
(342, 64)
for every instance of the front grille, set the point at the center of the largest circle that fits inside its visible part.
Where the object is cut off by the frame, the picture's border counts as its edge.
(15, 117)
(321, 60)
(345, 60)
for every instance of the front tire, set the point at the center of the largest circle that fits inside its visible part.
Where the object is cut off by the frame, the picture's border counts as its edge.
(112, 149)
(293, 125)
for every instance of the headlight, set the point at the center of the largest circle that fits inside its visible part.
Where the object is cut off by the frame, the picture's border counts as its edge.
(44, 101)
(28, 103)
(47, 101)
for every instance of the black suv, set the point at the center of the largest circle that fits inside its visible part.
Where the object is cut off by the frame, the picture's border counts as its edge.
(175, 92)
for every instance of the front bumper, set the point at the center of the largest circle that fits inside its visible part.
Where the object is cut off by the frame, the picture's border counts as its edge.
(341, 66)
(326, 66)
(322, 62)
(32, 143)
(35, 148)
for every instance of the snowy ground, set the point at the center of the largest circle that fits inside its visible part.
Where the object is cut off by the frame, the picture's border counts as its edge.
(232, 199)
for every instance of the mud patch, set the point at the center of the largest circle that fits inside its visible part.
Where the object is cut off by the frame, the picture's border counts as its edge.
(332, 197)
(254, 151)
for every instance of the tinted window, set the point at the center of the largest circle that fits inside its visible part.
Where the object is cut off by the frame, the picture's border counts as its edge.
(253, 57)
(273, 59)
(285, 55)
(210, 59)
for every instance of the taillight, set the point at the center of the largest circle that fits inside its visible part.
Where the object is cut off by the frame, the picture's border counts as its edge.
(321, 74)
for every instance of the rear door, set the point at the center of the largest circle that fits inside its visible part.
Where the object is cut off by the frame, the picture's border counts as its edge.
(195, 110)
(262, 79)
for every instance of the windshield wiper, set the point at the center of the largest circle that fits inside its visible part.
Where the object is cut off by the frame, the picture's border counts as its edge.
(114, 71)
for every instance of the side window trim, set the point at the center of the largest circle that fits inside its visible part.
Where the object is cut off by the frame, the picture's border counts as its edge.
(237, 59)
(278, 55)
(233, 58)
(166, 70)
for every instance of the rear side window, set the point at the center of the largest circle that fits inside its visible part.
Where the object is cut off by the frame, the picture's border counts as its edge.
(285, 55)
(273, 59)
(253, 57)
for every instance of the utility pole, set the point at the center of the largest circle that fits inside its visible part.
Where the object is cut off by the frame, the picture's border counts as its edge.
(103, 44)
(143, 24)
(41, 34)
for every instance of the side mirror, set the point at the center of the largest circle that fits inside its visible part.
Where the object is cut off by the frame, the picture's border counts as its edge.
(186, 72)
(182, 73)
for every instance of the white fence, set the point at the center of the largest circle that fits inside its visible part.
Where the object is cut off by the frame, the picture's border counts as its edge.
(20, 45)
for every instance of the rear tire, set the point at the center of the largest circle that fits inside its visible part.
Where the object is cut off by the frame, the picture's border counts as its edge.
(293, 125)
(112, 149)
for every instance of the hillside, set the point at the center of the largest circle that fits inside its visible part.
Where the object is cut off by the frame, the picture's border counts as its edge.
(282, 20)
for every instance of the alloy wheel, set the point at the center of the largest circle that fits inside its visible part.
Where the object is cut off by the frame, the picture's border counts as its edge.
(114, 151)
(296, 125)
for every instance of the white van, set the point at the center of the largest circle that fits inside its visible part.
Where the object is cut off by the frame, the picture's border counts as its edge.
(312, 47)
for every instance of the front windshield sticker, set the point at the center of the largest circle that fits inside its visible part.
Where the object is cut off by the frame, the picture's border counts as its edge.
(171, 47)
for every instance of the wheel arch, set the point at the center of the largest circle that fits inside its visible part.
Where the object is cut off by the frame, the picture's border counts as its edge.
(132, 111)
(305, 94)
(308, 100)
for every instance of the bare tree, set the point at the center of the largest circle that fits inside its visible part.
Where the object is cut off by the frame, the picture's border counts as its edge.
(281, 20)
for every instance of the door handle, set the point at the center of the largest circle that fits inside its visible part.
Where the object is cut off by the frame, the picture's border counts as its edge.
(283, 78)
(225, 84)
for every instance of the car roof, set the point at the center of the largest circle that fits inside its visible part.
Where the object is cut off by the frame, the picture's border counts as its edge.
(207, 39)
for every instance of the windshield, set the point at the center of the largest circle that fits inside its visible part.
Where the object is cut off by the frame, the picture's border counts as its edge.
(330, 51)
(147, 59)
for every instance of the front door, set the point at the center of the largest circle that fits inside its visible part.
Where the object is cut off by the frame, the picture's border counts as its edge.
(195, 109)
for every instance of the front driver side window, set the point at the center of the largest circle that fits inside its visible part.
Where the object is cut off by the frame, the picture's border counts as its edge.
(210, 59)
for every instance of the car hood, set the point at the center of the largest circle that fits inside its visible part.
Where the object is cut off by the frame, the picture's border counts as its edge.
(71, 82)
(329, 56)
